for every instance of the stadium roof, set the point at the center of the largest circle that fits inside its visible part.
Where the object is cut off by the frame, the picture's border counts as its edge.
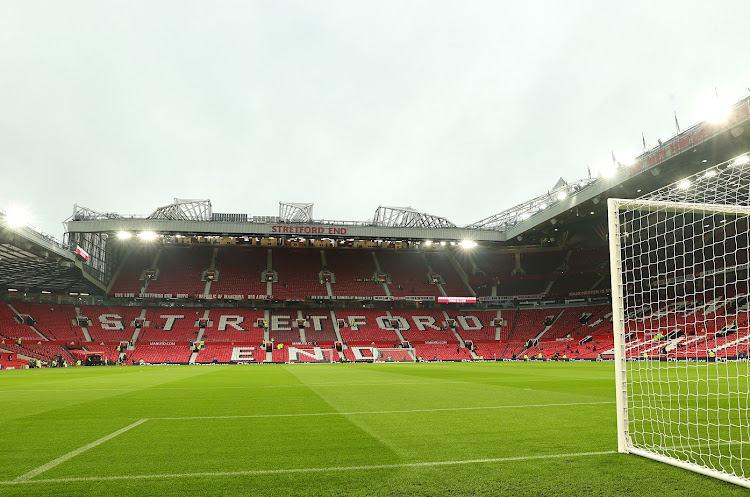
(33, 261)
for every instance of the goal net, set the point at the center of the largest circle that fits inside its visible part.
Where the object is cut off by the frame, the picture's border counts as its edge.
(393, 355)
(679, 265)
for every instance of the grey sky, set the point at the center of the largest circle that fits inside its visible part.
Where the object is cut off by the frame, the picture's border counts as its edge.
(459, 109)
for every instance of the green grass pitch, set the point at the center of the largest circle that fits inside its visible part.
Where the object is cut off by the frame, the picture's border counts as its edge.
(324, 429)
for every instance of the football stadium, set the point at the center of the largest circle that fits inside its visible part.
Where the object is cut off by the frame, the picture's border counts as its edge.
(532, 352)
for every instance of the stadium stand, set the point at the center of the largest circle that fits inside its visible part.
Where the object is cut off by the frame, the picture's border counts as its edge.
(11, 328)
(240, 271)
(54, 321)
(318, 319)
(440, 263)
(408, 274)
(354, 271)
(111, 324)
(171, 324)
(160, 354)
(365, 329)
(234, 325)
(180, 271)
(298, 273)
(468, 322)
(283, 327)
(129, 279)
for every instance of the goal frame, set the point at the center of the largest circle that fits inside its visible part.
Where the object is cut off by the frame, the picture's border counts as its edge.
(624, 442)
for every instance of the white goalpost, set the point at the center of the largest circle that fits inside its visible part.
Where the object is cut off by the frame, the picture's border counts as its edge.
(680, 267)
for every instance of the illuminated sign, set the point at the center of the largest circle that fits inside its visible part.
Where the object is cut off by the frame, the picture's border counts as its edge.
(457, 300)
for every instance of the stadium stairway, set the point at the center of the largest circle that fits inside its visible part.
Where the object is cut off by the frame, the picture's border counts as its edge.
(146, 281)
(336, 328)
(84, 329)
(547, 328)
(380, 269)
(398, 332)
(454, 330)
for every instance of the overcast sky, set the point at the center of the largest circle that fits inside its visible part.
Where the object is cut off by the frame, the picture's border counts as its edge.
(460, 109)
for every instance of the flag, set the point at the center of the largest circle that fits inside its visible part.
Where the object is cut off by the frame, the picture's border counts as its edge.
(614, 161)
(676, 124)
(589, 169)
(716, 92)
(644, 141)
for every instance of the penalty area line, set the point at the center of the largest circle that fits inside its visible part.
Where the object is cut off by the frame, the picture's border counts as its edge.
(261, 472)
(41, 469)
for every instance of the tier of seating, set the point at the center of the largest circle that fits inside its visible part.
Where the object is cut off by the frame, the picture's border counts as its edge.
(360, 326)
(234, 325)
(129, 279)
(56, 322)
(10, 327)
(223, 353)
(283, 327)
(489, 263)
(546, 262)
(355, 272)
(240, 271)
(408, 273)
(180, 271)
(160, 354)
(298, 273)
(424, 325)
(468, 322)
(442, 352)
(522, 286)
(440, 263)
(110, 324)
(171, 324)
(321, 319)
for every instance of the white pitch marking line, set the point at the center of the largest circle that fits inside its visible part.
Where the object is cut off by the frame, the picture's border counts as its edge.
(294, 385)
(309, 470)
(70, 455)
(355, 413)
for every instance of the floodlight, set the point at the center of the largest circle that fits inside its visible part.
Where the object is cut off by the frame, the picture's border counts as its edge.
(525, 216)
(46, 292)
(467, 244)
(741, 161)
(428, 242)
(542, 206)
(710, 173)
(442, 244)
(122, 235)
(147, 235)
(607, 169)
(18, 217)
(715, 109)
(562, 196)
(683, 185)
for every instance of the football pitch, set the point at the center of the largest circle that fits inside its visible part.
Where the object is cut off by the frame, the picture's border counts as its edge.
(324, 429)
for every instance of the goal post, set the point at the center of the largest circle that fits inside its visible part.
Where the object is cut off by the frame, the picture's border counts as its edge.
(680, 270)
(380, 354)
